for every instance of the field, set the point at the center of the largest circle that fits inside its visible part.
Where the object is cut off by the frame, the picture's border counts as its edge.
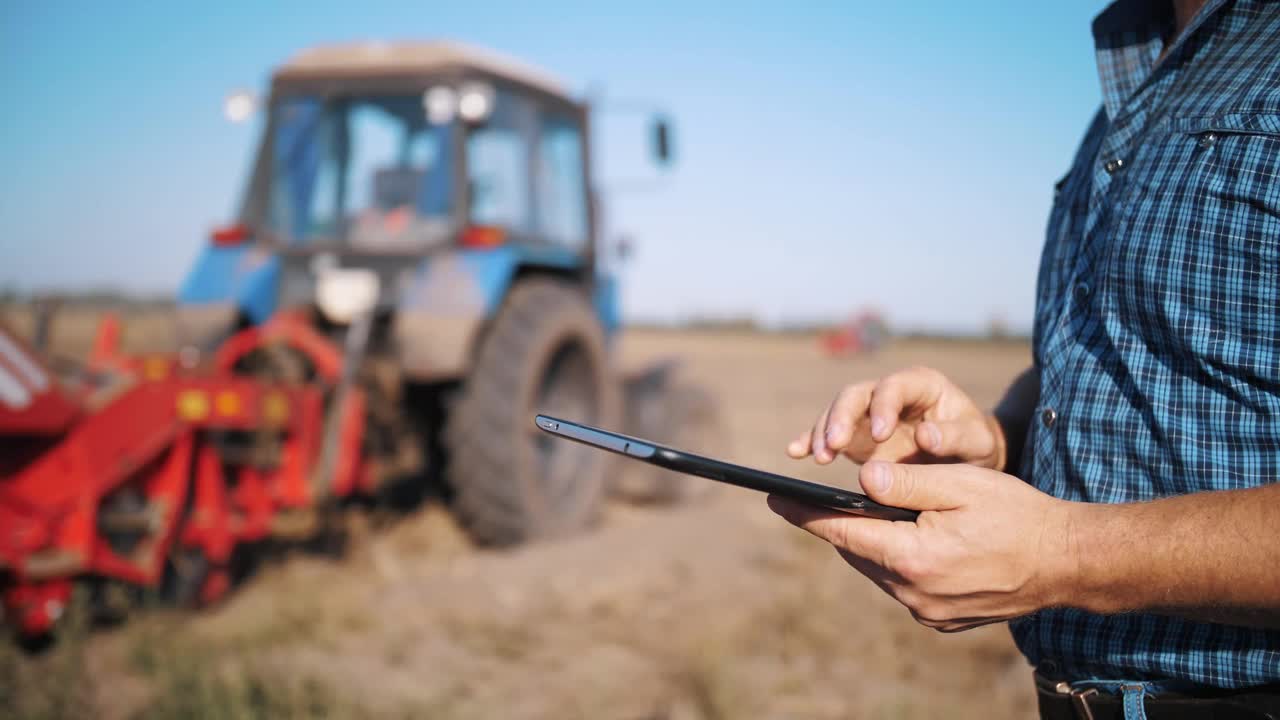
(717, 610)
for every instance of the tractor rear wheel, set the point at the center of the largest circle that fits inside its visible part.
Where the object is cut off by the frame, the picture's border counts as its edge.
(511, 483)
(683, 415)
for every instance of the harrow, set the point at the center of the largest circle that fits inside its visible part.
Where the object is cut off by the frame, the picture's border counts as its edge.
(148, 472)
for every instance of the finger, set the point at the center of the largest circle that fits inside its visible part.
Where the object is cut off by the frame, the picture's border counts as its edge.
(819, 442)
(953, 618)
(884, 578)
(796, 513)
(918, 487)
(848, 407)
(915, 388)
(971, 623)
(966, 439)
(900, 447)
(875, 540)
(799, 448)
(961, 624)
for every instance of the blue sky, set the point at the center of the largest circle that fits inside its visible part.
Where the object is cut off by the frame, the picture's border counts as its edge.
(830, 155)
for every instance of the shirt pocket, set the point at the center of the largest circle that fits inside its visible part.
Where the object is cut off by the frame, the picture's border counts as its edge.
(1194, 259)
(1233, 183)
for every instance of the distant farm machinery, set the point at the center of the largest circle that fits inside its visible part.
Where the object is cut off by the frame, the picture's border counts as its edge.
(864, 332)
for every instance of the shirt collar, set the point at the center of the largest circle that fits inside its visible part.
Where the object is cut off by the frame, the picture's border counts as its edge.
(1128, 37)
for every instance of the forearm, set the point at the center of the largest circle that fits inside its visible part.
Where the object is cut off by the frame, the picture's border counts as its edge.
(1211, 556)
(1013, 415)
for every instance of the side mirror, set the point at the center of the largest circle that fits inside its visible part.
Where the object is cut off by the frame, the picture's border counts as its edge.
(662, 141)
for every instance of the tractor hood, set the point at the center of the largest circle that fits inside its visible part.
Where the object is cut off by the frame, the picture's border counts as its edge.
(437, 301)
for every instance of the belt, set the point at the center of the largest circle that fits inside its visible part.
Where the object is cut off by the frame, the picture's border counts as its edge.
(1060, 700)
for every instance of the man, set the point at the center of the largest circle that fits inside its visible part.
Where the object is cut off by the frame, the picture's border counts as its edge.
(1138, 565)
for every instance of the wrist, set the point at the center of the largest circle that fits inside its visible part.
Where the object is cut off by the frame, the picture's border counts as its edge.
(1086, 559)
(1059, 566)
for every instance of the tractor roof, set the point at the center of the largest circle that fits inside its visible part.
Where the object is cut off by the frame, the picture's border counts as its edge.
(383, 59)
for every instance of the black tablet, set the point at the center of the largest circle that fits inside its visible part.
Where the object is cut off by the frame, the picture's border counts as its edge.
(688, 463)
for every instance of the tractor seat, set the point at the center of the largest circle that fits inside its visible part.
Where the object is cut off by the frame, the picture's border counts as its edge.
(397, 187)
(394, 221)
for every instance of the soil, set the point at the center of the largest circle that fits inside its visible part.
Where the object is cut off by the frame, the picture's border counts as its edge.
(712, 610)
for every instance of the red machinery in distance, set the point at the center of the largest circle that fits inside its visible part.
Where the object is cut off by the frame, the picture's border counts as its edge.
(865, 332)
(157, 474)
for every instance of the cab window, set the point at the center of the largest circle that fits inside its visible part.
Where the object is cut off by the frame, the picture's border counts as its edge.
(562, 192)
(367, 171)
(498, 160)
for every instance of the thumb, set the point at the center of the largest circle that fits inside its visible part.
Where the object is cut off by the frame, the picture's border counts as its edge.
(965, 439)
(916, 487)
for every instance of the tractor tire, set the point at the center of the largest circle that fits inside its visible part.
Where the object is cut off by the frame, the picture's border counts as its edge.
(680, 415)
(544, 353)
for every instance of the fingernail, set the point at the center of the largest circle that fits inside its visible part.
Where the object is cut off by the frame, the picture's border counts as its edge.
(935, 435)
(877, 477)
(834, 432)
(877, 426)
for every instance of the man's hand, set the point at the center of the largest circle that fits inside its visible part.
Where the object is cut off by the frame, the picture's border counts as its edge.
(987, 547)
(914, 415)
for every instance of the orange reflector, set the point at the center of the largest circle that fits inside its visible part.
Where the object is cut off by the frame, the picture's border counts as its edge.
(275, 408)
(227, 403)
(155, 368)
(193, 405)
(482, 236)
(230, 235)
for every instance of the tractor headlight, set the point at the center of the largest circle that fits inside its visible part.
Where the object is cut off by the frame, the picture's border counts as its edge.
(440, 102)
(475, 102)
(343, 294)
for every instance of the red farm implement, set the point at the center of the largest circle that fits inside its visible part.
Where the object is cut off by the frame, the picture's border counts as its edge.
(865, 332)
(153, 470)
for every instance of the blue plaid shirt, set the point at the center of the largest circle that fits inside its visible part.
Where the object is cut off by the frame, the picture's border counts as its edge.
(1157, 328)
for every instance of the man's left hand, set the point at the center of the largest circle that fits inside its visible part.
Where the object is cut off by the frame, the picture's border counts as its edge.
(987, 547)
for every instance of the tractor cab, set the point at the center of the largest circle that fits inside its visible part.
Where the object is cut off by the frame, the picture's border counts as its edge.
(443, 170)
(405, 148)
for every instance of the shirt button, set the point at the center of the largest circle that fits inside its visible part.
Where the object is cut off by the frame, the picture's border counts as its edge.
(1113, 165)
(1048, 416)
(1082, 292)
(1208, 139)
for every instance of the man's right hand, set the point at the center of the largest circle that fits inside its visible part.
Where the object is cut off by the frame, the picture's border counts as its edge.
(915, 415)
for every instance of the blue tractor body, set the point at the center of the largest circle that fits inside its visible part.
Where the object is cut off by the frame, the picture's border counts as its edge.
(240, 285)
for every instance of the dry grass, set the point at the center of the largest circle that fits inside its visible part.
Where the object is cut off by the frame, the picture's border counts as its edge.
(75, 326)
(52, 683)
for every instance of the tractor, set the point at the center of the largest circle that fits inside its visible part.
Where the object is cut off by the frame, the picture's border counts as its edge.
(430, 208)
